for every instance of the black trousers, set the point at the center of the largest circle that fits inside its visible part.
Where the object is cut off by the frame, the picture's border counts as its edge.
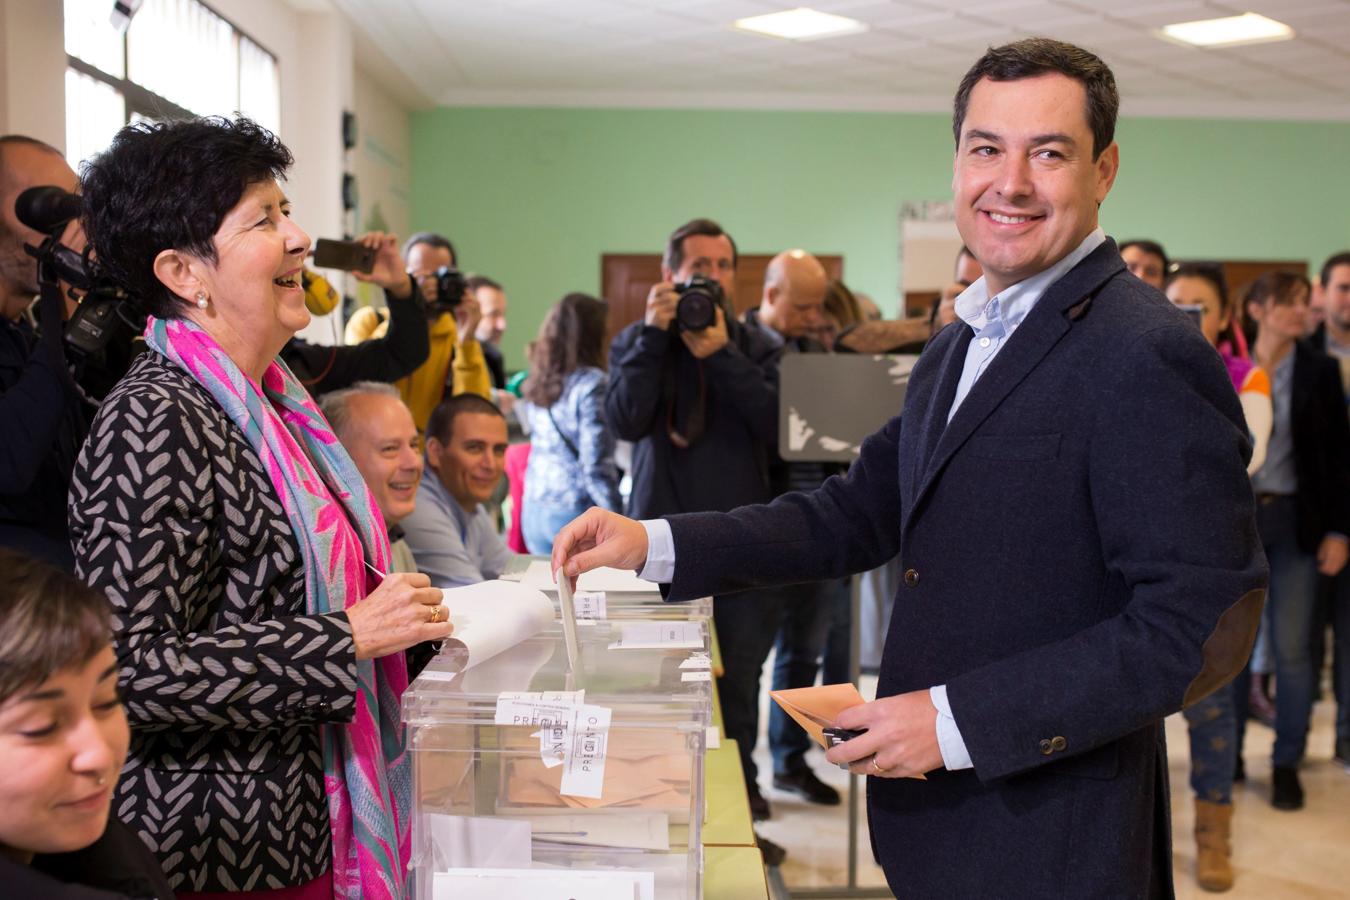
(747, 624)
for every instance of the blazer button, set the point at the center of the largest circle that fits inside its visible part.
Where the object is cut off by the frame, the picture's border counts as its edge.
(1046, 747)
(1058, 743)
(911, 578)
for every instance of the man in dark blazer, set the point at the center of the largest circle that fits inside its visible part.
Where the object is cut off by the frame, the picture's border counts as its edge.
(1066, 490)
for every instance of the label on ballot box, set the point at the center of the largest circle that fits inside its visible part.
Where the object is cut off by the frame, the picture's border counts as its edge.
(572, 734)
(589, 604)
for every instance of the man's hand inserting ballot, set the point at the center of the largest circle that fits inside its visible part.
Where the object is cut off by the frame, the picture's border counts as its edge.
(599, 538)
(901, 739)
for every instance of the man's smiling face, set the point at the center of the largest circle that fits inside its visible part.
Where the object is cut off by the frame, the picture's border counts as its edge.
(1027, 188)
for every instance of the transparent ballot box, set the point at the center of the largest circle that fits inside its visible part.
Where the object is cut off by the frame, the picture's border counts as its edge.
(625, 595)
(535, 778)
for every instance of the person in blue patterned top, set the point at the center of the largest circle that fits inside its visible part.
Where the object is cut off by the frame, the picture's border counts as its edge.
(571, 463)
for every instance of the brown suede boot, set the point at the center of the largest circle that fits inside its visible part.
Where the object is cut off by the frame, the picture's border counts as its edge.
(1213, 823)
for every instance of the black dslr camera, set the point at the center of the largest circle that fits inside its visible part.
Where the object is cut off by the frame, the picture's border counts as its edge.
(450, 287)
(697, 308)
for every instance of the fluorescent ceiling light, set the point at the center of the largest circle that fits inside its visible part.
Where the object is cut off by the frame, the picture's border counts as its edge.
(1248, 28)
(800, 24)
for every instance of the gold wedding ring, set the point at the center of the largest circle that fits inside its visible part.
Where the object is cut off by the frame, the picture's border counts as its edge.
(876, 767)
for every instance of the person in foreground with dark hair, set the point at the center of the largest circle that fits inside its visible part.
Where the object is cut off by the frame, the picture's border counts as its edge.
(258, 637)
(571, 465)
(1077, 540)
(63, 739)
(451, 536)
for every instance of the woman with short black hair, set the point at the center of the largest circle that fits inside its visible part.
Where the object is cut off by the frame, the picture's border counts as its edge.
(260, 642)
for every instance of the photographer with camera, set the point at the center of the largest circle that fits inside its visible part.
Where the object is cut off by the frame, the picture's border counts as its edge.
(45, 416)
(455, 360)
(698, 394)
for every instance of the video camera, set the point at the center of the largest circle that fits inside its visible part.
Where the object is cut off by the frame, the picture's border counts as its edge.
(700, 298)
(107, 319)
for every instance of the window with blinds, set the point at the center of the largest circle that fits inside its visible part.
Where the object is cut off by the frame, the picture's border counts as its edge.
(177, 58)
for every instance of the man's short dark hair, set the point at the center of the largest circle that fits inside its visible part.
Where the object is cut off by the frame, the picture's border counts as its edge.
(474, 282)
(674, 255)
(441, 425)
(1339, 259)
(1042, 56)
(168, 186)
(1152, 248)
(431, 239)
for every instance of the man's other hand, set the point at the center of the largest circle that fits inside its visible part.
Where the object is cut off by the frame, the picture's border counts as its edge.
(467, 316)
(703, 344)
(661, 303)
(599, 538)
(901, 739)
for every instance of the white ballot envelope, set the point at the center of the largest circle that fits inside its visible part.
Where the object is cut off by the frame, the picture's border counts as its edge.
(543, 884)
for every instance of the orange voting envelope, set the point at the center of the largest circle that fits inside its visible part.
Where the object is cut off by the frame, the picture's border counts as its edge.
(815, 708)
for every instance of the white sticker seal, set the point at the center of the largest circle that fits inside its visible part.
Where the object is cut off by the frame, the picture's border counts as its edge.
(589, 604)
(584, 769)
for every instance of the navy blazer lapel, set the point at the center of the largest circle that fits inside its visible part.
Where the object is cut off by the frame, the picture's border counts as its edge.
(1047, 322)
(931, 419)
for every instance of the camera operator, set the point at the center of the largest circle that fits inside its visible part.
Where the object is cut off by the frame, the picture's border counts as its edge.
(455, 360)
(701, 405)
(45, 417)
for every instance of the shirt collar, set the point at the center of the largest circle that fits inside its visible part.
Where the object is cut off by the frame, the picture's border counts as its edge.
(444, 497)
(977, 309)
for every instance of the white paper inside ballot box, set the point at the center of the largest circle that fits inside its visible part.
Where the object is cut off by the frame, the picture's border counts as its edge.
(542, 884)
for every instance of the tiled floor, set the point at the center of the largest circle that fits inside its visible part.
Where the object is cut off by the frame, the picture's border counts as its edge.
(1277, 855)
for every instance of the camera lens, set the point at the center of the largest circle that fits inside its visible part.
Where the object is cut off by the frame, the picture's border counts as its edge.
(696, 310)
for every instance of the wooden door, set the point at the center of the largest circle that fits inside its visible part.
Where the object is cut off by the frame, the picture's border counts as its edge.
(626, 278)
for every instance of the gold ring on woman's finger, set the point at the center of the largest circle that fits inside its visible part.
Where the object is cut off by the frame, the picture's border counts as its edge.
(435, 614)
(877, 768)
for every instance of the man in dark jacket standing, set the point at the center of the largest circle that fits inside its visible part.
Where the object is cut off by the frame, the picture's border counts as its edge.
(45, 415)
(702, 409)
(1077, 539)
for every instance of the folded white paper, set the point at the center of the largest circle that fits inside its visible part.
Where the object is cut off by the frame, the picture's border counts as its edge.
(489, 618)
(629, 830)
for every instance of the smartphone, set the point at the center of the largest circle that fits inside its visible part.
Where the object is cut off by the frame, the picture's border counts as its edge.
(349, 256)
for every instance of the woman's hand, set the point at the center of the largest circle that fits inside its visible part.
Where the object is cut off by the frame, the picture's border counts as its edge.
(404, 610)
(388, 271)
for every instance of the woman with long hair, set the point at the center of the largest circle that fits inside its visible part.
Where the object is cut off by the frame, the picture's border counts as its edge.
(571, 464)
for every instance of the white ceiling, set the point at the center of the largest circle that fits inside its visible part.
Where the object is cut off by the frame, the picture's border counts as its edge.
(683, 53)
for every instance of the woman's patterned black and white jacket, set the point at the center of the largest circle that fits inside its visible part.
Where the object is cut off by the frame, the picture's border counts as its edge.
(225, 677)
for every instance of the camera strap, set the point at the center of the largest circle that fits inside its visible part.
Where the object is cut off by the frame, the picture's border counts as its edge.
(696, 420)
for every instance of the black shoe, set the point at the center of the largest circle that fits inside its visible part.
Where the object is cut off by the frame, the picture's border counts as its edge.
(759, 807)
(773, 853)
(1285, 791)
(804, 783)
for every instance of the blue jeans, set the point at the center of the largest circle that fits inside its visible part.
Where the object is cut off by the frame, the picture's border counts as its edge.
(541, 522)
(1213, 731)
(1340, 662)
(1289, 614)
(807, 610)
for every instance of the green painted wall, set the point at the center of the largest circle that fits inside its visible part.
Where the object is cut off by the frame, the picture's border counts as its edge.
(533, 197)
